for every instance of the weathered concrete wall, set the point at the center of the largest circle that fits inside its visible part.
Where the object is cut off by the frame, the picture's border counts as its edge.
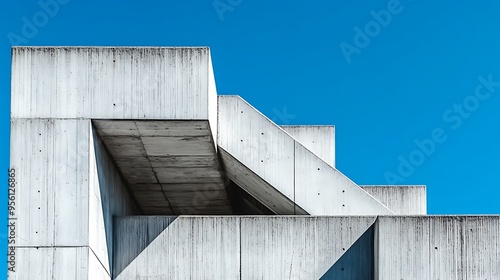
(273, 155)
(319, 139)
(68, 192)
(296, 247)
(68, 187)
(402, 200)
(190, 248)
(438, 247)
(133, 234)
(52, 263)
(51, 160)
(252, 247)
(112, 83)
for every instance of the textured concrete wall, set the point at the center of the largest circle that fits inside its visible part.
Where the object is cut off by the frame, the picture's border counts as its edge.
(52, 263)
(319, 139)
(190, 248)
(112, 83)
(52, 166)
(255, 142)
(252, 247)
(67, 193)
(438, 247)
(402, 200)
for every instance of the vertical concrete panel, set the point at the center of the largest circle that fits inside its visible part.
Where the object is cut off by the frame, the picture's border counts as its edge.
(108, 197)
(51, 163)
(402, 200)
(189, 248)
(319, 139)
(51, 263)
(403, 248)
(110, 83)
(296, 247)
(438, 247)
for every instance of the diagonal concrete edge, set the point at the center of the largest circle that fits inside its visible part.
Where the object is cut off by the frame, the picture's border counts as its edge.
(319, 139)
(133, 234)
(296, 247)
(257, 187)
(246, 247)
(196, 247)
(273, 155)
(358, 262)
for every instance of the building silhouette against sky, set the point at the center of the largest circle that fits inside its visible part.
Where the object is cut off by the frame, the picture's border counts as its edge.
(127, 164)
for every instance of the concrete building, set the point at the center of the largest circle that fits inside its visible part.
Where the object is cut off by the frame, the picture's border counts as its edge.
(126, 164)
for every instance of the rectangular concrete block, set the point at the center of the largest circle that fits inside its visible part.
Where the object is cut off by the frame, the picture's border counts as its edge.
(438, 247)
(113, 83)
(402, 200)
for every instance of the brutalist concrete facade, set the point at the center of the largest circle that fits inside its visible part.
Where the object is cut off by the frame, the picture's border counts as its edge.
(128, 165)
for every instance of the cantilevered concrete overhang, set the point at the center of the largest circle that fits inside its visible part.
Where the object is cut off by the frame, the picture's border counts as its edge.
(171, 167)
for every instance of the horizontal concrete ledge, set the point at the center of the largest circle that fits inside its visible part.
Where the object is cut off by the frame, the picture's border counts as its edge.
(402, 200)
(309, 247)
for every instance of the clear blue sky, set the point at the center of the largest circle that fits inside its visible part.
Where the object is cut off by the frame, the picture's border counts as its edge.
(386, 83)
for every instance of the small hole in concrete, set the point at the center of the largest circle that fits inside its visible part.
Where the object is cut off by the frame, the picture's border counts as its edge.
(318, 193)
(242, 112)
(114, 104)
(343, 205)
(343, 249)
(343, 190)
(318, 168)
(261, 161)
(435, 248)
